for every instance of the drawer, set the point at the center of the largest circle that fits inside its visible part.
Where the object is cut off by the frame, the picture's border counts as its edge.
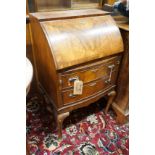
(89, 89)
(90, 73)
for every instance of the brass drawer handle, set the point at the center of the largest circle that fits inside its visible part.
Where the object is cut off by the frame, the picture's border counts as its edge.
(107, 81)
(73, 79)
(111, 67)
(72, 95)
(92, 84)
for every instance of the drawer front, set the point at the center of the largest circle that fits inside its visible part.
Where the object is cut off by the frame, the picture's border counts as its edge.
(89, 89)
(88, 74)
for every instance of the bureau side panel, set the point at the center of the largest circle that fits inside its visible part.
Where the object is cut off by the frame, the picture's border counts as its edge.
(46, 72)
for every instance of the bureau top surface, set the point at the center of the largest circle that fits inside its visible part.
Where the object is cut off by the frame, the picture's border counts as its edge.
(76, 41)
(43, 16)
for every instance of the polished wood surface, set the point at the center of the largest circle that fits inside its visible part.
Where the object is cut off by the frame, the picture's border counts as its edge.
(121, 104)
(88, 73)
(51, 5)
(60, 120)
(100, 36)
(28, 38)
(85, 4)
(88, 89)
(111, 2)
(123, 26)
(67, 14)
(111, 96)
(81, 47)
(46, 72)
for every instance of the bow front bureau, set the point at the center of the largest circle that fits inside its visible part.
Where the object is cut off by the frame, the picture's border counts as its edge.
(77, 61)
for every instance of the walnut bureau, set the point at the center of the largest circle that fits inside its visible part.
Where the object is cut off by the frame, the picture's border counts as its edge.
(85, 49)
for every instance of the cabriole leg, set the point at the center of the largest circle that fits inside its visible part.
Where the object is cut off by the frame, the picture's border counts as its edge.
(60, 119)
(111, 97)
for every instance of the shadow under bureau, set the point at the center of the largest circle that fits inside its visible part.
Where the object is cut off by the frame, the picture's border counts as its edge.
(77, 61)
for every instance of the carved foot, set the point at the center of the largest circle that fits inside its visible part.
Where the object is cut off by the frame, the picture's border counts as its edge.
(111, 96)
(60, 119)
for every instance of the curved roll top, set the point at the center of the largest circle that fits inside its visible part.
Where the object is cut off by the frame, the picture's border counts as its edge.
(76, 41)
